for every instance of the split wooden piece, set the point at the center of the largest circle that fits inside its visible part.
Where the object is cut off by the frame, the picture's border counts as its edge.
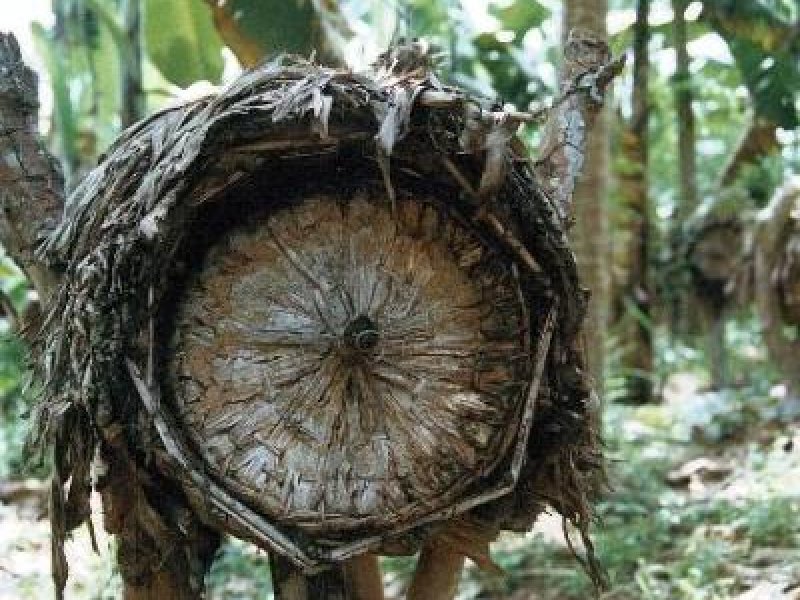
(450, 98)
(437, 574)
(363, 579)
(358, 578)
(289, 583)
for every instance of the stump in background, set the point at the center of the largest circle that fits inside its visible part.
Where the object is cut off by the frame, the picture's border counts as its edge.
(716, 257)
(776, 285)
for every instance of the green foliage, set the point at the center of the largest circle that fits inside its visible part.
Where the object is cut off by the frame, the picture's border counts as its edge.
(182, 42)
(514, 74)
(773, 79)
(762, 38)
(64, 118)
(13, 401)
(277, 26)
(659, 542)
(239, 573)
(486, 58)
(13, 406)
(520, 16)
(761, 179)
(766, 48)
(85, 53)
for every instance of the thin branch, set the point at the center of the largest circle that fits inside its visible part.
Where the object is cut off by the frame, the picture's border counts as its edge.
(587, 71)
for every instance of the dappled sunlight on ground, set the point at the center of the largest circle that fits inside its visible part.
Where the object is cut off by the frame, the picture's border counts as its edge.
(704, 505)
(25, 557)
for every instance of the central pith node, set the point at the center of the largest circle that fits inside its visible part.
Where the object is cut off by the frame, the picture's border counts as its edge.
(361, 334)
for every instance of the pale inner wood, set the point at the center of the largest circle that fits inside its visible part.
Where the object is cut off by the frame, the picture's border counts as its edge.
(338, 363)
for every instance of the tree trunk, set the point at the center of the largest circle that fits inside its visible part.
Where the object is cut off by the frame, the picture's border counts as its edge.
(288, 583)
(590, 239)
(131, 92)
(635, 297)
(31, 184)
(153, 561)
(356, 579)
(31, 199)
(686, 128)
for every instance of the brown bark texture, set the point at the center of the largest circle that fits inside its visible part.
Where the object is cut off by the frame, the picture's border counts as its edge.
(31, 185)
(290, 583)
(437, 572)
(363, 578)
(356, 579)
(590, 236)
(633, 297)
(392, 169)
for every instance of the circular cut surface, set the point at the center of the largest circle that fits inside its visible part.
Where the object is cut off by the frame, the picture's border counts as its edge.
(339, 365)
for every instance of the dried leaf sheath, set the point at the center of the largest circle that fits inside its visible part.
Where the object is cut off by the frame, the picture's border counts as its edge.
(415, 322)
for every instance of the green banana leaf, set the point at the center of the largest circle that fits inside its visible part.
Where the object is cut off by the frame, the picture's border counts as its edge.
(181, 41)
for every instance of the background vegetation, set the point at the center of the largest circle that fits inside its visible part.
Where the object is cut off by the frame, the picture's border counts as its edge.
(703, 444)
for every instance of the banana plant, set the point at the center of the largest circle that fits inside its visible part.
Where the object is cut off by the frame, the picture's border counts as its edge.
(83, 52)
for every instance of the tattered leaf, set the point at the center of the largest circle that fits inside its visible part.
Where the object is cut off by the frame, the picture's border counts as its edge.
(766, 49)
(247, 50)
(63, 112)
(275, 27)
(773, 80)
(521, 15)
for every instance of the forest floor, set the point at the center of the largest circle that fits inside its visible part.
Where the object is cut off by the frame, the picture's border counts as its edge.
(705, 505)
